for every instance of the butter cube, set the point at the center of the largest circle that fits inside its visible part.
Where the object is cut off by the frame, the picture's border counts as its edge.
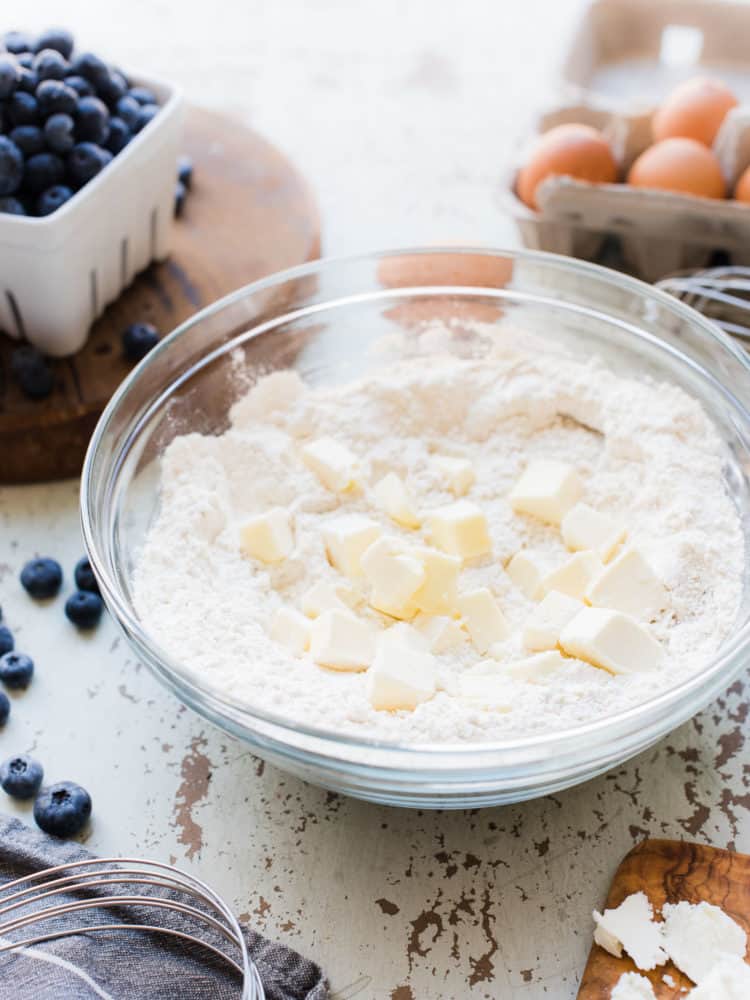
(629, 584)
(346, 538)
(535, 668)
(439, 592)
(291, 629)
(325, 596)
(457, 473)
(393, 495)
(575, 575)
(545, 623)
(585, 528)
(547, 490)
(482, 617)
(401, 678)
(332, 462)
(402, 634)
(611, 640)
(341, 641)
(460, 529)
(486, 690)
(268, 536)
(527, 575)
(440, 632)
(395, 574)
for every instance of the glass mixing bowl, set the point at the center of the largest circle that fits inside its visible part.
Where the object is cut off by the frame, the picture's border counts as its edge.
(329, 320)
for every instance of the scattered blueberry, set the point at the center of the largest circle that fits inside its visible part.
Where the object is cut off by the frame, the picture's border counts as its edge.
(185, 171)
(10, 74)
(119, 135)
(62, 809)
(84, 576)
(28, 138)
(21, 777)
(138, 339)
(128, 109)
(22, 108)
(59, 131)
(91, 68)
(50, 65)
(7, 642)
(54, 97)
(92, 120)
(32, 372)
(11, 166)
(147, 112)
(113, 88)
(180, 193)
(81, 86)
(16, 670)
(86, 161)
(11, 206)
(42, 577)
(50, 200)
(43, 170)
(143, 95)
(4, 708)
(84, 609)
(58, 39)
(17, 42)
(29, 78)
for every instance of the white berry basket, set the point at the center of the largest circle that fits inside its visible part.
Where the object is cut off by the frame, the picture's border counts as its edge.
(59, 272)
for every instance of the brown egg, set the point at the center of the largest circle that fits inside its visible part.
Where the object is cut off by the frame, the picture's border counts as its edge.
(742, 187)
(694, 110)
(567, 150)
(681, 165)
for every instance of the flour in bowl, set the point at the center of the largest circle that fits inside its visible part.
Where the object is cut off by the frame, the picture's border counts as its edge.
(459, 550)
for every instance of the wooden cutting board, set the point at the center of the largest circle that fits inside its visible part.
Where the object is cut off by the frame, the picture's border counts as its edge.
(250, 213)
(669, 871)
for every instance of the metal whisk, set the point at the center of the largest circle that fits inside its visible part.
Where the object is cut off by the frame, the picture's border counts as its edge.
(46, 904)
(722, 294)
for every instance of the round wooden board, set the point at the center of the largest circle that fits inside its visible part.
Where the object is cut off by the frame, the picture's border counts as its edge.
(249, 214)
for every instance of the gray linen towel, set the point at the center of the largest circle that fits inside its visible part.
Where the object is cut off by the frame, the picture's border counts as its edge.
(129, 965)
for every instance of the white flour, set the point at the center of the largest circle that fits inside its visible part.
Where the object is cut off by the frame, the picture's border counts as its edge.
(646, 452)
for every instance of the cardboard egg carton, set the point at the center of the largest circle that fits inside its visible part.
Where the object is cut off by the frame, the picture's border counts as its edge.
(625, 56)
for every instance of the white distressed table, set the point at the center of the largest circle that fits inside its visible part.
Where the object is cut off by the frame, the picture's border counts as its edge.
(402, 114)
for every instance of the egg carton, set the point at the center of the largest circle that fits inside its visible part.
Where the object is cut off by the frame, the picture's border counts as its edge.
(58, 273)
(621, 51)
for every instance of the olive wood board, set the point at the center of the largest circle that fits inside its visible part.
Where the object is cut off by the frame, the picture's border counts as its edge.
(669, 871)
(249, 214)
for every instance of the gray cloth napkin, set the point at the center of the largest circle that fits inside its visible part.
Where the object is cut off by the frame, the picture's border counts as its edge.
(128, 965)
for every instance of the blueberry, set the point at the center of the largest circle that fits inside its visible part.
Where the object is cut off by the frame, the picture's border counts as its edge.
(138, 339)
(84, 576)
(113, 88)
(22, 108)
(58, 39)
(92, 120)
(63, 809)
(86, 161)
(42, 577)
(50, 200)
(16, 670)
(82, 87)
(28, 138)
(11, 166)
(59, 131)
(84, 609)
(4, 708)
(7, 642)
(21, 777)
(10, 74)
(56, 97)
(43, 170)
(29, 79)
(180, 193)
(17, 42)
(185, 171)
(11, 206)
(128, 109)
(148, 111)
(50, 65)
(32, 372)
(91, 68)
(119, 135)
(143, 95)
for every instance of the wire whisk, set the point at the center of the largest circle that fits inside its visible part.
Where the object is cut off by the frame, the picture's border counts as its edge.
(145, 896)
(721, 294)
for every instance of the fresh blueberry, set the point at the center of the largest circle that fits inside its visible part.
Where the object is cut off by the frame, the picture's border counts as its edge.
(25, 59)
(50, 65)
(138, 339)
(4, 708)
(84, 609)
(11, 206)
(43, 171)
(143, 95)
(58, 39)
(42, 577)
(63, 809)
(185, 171)
(91, 68)
(16, 670)
(81, 86)
(32, 372)
(7, 642)
(21, 777)
(22, 108)
(17, 42)
(180, 193)
(128, 109)
(50, 200)
(59, 131)
(11, 166)
(119, 135)
(92, 120)
(29, 79)
(148, 111)
(56, 97)
(84, 576)
(28, 138)
(10, 74)
(86, 160)
(113, 88)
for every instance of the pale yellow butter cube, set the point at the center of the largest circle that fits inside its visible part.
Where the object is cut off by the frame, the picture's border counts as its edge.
(401, 678)
(341, 641)
(439, 592)
(403, 634)
(527, 575)
(457, 473)
(611, 640)
(393, 495)
(542, 628)
(395, 574)
(268, 536)
(460, 529)
(346, 538)
(585, 528)
(291, 629)
(440, 632)
(333, 463)
(575, 575)
(483, 618)
(547, 490)
(629, 584)
(535, 668)
(326, 596)
(486, 690)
